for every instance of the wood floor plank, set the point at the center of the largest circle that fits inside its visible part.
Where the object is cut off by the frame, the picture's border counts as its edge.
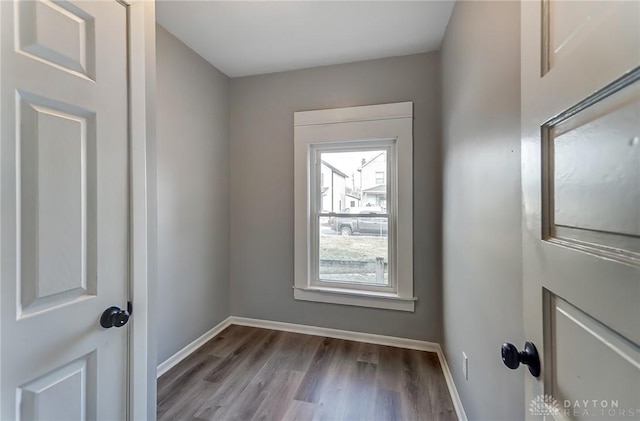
(332, 394)
(258, 374)
(387, 406)
(368, 353)
(188, 402)
(299, 411)
(413, 405)
(279, 396)
(297, 350)
(436, 389)
(311, 384)
(361, 392)
(235, 380)
(422, 386)
(229, 340)
(238, 357)
(291, 351)
(389, 368)
(182, 387)
(185, 369)
(248, 402)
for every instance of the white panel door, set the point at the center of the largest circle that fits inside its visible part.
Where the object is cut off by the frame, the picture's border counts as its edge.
(64, 209)
(581, 195)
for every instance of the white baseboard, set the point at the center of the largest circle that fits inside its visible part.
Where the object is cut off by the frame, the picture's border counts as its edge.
(173, 360)
(457, 403)
(338, 334)
(329, 333)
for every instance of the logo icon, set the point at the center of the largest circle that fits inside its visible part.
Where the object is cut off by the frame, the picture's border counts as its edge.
(544, 405)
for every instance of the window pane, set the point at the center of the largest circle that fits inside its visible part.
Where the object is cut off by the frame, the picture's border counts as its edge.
(352, 180)
(354, 250)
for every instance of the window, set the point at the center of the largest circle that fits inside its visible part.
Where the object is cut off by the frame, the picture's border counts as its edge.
(361, 255)
(354, 249)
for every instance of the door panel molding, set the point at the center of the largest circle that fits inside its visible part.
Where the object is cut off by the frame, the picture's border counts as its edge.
(38, 32)
(577, 222)
(568, 28)
(567, 331)
(44, 394)
(56, 152)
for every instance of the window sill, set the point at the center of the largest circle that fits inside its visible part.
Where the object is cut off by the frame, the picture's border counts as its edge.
(355, 298)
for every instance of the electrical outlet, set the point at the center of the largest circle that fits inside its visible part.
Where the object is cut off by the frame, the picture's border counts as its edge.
(465, 366)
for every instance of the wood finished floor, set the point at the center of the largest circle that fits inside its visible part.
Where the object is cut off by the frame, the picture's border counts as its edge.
(248, 373)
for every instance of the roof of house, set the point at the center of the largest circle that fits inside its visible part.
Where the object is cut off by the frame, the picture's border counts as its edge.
(355, 195)
(334, 169)
(380, 188)
(370, 161)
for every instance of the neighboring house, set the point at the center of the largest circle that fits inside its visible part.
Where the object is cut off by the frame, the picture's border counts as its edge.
(333, 184)
(373, 181)
(353, 194)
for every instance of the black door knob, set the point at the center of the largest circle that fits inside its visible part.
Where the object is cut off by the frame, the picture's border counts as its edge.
(512, 358)
(115, 317)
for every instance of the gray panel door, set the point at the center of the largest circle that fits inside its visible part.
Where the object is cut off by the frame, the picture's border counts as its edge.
(581, 196)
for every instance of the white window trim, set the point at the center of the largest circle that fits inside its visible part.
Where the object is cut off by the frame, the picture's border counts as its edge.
(348, 126)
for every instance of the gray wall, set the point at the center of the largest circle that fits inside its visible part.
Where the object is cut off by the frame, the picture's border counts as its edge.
(482, 262)
(193, 195)
(262, 235)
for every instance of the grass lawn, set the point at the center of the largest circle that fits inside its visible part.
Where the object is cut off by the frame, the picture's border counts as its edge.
(353, 248)
(352, 252)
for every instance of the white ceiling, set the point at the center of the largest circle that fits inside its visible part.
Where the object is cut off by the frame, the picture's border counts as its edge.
(244, 38)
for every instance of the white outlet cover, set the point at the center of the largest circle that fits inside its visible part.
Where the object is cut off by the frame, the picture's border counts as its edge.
(465, 366)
